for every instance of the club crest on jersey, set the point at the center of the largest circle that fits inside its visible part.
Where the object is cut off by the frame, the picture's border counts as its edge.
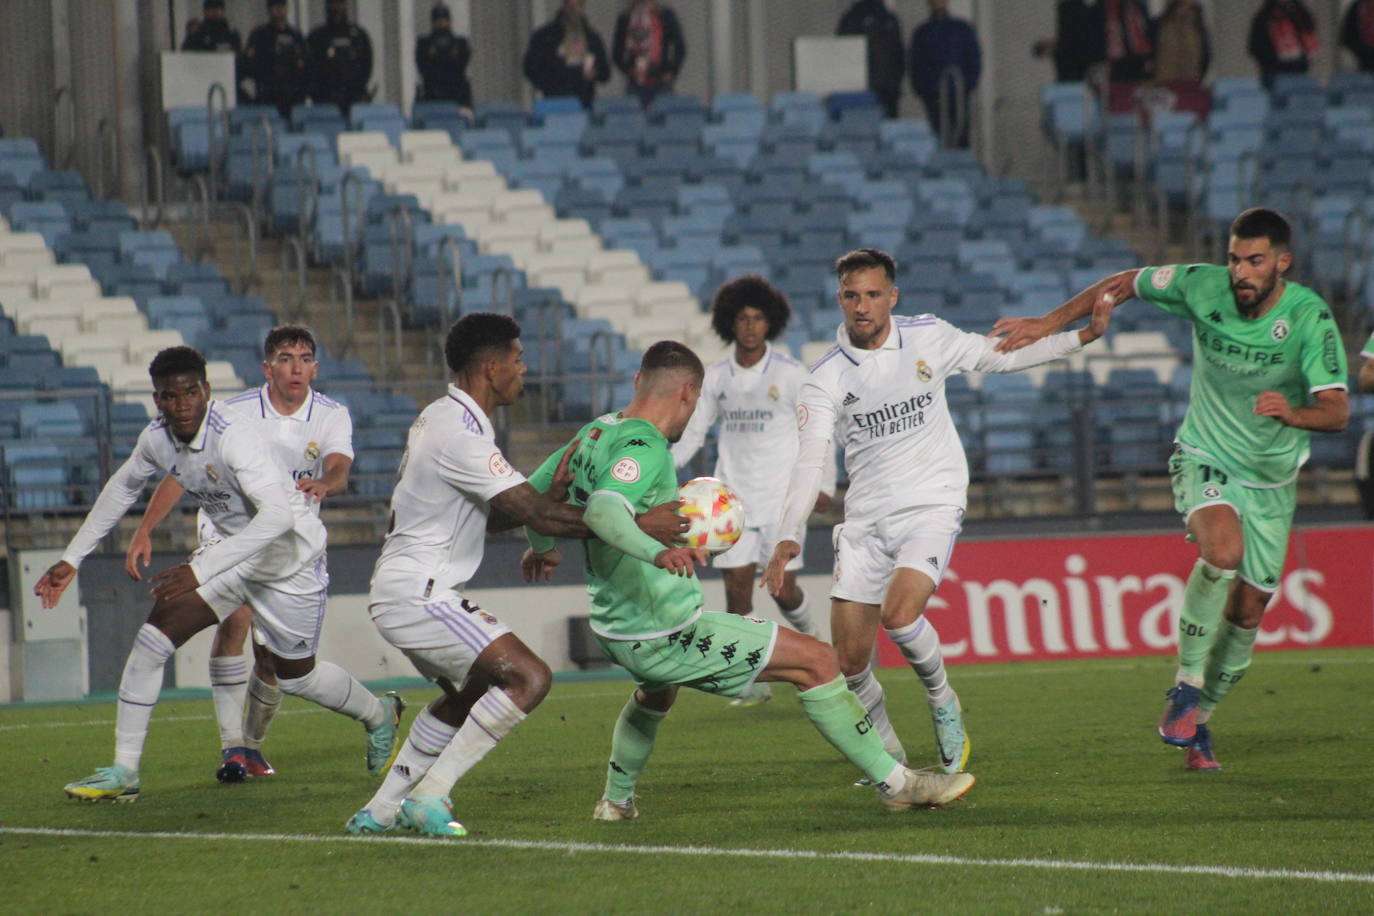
(923, 371)
(1280, 329)
(212, 473)
(1162, 277)
(312, 451)
(773, 393)
(1211, 491)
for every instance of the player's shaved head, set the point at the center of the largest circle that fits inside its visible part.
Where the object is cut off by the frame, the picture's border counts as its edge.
(866, 259)
(177, 361)
(669, 363)
(476, 337)
(1263, 223)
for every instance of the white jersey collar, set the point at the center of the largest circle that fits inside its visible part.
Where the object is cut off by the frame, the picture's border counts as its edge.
(301, 415)
(760, 366)
(197, 443)
(477, 420)
(856, 354)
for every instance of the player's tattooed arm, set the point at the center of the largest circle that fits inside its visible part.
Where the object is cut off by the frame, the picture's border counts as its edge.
(546, 513)
(1016, 333)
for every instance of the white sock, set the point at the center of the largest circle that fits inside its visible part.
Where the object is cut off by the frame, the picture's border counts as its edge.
(138, 689)
(334, 688)
(870, 693)
(493, 717)
(920, 645)
(228, 687)
(427, 739)
(264, 700)
(799, 617)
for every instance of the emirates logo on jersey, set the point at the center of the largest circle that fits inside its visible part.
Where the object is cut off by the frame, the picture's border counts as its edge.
(923, 371)
(1280, 329)
(312, 451)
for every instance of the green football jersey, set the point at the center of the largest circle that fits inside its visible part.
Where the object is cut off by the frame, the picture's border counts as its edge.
(1294, 349)
(1368, 351)
(631, 599)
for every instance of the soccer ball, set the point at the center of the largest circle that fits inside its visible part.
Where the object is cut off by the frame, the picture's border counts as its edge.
(715, 511)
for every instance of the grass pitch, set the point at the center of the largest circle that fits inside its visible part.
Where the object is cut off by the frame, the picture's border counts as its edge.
(1078, 808)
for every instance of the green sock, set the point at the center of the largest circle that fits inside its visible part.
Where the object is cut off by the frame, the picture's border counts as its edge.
(1226, 666)
(631, 746)
(1203, 601)
(841, 718)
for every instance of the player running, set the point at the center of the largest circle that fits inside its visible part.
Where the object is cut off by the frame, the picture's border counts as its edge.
(753, 395)
(1269, 367)
(881, 391)
(270, 557)
(647, 604)
(454, 486)
(312, 437)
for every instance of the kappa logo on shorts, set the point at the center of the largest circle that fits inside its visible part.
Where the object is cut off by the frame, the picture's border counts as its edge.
(625, 470)
(728, 650)
(1163, 276)
(753, 657)
(704, 644)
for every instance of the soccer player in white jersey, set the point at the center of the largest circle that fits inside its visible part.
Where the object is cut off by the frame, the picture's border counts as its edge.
(271, 558)
(881, 391)
(312, 437)
(454, 486)
(752, 394)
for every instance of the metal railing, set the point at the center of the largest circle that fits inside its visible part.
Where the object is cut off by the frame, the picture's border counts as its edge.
(217, 130)
(307, 193)
(153, 190)
(953, 103)
(107, 144)
(261, 143)
(62, 155)
(293, 263)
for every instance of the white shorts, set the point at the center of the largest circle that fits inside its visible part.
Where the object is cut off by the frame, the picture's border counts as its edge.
(442, 637)
(755, 546)
(867, 553)
(287, 612)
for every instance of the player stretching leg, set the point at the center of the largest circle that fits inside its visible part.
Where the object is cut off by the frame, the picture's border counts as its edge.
(1269, 367)
(312, 437)
(455, 485)
(753, 394)
(647, 604)
(880, 389)
(271, 558)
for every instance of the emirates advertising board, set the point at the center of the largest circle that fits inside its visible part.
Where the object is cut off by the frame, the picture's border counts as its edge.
(1119, 596)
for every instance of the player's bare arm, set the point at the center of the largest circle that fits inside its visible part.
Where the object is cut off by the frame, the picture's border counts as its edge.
(140, 551)
(539, 567)
(332, 482)
(1329, 412)
(1016, 333)
(524, 505)
(54, 582)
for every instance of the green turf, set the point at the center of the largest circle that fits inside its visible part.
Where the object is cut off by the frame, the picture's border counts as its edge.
(1068, 764)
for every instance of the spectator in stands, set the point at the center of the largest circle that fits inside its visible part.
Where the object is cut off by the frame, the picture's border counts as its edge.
(442, 59)
(340, 59)
(876, 21)
(1183, 50)
(1357, 33)
(1283, 39)
(940, 45)
(275, 61)
(566, 56)
(1078, 43)
(648, 48)
(212, 31)
(1365, 456)
(1130, 41)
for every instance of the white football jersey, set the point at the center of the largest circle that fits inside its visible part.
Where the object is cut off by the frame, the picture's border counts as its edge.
(756, 407)
(246, 494)
(300, 441)
(887, 407)
(450, 471)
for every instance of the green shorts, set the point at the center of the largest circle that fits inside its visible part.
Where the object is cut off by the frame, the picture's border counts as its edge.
(1266, 515)
(718, 653)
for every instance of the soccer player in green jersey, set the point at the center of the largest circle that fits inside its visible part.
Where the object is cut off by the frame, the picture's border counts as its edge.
(647, 603)
(1269, 368)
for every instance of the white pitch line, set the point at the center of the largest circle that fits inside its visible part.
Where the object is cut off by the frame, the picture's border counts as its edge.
(1221, 871)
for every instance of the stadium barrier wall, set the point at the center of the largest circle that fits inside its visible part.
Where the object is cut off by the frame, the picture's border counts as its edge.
(1003, 600)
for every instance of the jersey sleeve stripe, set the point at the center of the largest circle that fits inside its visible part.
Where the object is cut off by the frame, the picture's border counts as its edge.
(1334, 386)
